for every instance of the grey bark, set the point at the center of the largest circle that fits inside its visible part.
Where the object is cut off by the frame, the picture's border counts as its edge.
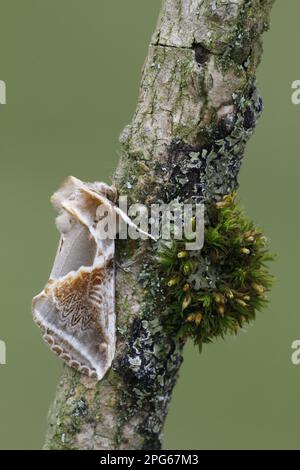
(197, 94)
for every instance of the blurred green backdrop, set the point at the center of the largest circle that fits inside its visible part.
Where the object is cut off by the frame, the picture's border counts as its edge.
(72, 69)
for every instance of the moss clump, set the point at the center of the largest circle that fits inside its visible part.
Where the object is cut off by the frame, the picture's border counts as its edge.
(219, 289)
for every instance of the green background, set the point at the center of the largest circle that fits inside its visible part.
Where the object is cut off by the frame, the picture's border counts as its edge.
(72, 69)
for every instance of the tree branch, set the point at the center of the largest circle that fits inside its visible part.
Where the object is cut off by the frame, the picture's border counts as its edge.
(197, 93)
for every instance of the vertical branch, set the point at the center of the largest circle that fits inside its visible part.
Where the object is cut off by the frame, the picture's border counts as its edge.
(197, 94)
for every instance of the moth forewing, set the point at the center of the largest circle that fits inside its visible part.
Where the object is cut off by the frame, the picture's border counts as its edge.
(76, 309)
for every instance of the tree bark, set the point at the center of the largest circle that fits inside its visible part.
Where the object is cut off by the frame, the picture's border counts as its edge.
(197, 94)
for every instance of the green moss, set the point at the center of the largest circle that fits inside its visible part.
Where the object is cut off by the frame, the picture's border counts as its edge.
(217, 290)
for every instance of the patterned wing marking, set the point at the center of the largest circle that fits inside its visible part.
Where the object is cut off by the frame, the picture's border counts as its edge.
(79, 298)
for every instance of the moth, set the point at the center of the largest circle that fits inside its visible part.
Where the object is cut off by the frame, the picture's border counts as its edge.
(76, 308)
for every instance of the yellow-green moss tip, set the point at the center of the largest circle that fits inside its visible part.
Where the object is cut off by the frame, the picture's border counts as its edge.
(221, 287)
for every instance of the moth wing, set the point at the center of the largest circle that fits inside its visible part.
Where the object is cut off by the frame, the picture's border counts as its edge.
(76, 309)
(77, 316)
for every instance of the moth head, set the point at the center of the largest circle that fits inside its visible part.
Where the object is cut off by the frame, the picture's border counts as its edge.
(110, 192)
